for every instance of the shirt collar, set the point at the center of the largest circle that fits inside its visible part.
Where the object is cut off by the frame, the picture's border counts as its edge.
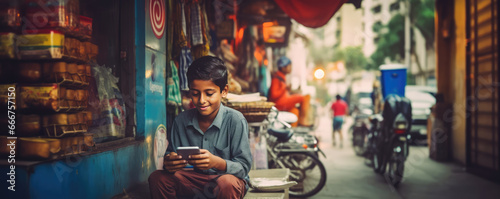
(217, 121)
(220, 115)
(281, 74)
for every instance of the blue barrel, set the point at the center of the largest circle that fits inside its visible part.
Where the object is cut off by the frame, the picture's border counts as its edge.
(393, 79)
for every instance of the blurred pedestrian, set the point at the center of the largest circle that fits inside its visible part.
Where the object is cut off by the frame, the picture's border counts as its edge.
(340, 110)
(376, 96)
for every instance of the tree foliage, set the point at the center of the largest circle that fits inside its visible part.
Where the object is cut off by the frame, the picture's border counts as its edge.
(422, 18)
(321, 55)
(391, 43)
(353, 58)
(391, 38)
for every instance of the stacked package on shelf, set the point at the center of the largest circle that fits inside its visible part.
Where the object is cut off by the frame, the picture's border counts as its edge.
(108, 106)
(8, 48)
(10, 21)
(48, 67)
(10, 17)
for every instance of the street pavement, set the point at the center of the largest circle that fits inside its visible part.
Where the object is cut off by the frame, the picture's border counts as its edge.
(349, 177)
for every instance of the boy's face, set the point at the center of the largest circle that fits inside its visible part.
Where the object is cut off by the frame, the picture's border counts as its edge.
(206, 97)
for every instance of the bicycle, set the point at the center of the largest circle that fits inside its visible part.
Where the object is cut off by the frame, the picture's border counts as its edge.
(305, 167)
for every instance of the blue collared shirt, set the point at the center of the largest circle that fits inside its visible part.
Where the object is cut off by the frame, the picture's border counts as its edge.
(226, 137)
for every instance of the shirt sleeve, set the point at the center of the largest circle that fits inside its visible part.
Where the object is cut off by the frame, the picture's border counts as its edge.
(241, 160)
(172, 139)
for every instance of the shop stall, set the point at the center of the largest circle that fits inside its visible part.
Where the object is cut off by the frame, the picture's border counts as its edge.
(94, 85)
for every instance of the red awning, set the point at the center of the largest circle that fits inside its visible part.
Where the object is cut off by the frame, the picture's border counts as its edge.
(310, 13)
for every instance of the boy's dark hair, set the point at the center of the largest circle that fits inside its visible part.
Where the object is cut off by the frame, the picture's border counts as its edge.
(338, 97)
(208, 68)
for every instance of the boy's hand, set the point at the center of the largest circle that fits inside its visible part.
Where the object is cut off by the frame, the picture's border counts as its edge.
(173, 162)
(206, 160)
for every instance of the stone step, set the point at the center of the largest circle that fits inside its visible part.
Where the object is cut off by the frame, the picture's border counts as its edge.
(271, 174)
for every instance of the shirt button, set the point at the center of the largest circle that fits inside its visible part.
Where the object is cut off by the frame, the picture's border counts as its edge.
(206, 139)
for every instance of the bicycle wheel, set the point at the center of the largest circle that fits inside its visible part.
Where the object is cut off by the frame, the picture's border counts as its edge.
(306, 169)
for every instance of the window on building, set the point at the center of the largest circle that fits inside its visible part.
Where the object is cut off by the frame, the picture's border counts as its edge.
(377, 26)
(337, 34)
(394, 7)
(377, 9)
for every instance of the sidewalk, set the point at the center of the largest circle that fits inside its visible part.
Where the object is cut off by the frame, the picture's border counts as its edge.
(349, 177)
(431, 180)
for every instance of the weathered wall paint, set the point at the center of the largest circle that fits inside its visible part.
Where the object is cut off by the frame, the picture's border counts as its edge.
(151, 70)
(101, 175)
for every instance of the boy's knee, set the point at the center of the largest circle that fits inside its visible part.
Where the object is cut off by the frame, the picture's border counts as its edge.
(159, 177)
(230, 182)
(154, 177)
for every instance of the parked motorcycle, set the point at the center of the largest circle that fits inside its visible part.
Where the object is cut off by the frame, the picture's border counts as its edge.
(360, 130)
(390, 144)
(376, 122)
(301, 135)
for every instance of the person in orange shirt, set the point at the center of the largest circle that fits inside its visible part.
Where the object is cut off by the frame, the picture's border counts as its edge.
(279, 94)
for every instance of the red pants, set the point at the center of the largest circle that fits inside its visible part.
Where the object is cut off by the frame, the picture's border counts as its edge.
(191, 184)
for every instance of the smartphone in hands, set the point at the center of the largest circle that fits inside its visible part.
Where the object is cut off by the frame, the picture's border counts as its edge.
(186, 151)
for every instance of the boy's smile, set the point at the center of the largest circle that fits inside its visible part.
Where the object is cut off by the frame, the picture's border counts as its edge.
(206, 97)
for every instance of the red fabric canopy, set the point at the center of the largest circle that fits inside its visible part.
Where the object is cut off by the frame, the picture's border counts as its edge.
(310, 13)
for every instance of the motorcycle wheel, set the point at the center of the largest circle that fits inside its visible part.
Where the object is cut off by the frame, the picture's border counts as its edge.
(376, 163)
(306, 169)
(370, 149)
(379, 165)
(359, 140)
(395, 170)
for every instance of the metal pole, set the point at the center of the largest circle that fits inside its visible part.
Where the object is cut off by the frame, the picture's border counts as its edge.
(407, 36)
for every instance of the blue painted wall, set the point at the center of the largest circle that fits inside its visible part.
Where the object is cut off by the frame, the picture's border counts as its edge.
(100, 175)
(150, 80)
(106, 174)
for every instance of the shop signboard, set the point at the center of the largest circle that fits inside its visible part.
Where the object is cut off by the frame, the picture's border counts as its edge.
(276, 33)
(156, 25)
